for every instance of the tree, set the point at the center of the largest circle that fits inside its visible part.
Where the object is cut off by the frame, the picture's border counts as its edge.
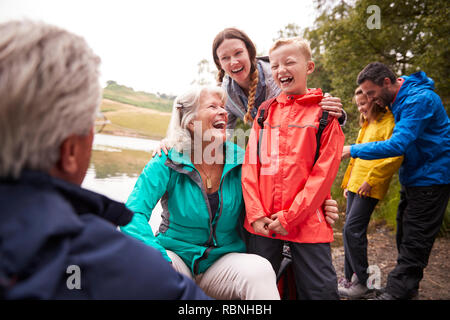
(205, 75)
(413, 36)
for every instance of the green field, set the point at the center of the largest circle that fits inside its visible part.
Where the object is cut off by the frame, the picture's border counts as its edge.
(136, 114)
(134, 121)
(126, 95)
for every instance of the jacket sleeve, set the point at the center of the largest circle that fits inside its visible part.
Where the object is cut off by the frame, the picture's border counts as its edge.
(150, 187)
(320, 180)
(250, 178)
(414, 117)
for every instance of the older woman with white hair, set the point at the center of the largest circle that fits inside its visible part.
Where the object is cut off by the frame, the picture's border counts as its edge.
(199, 184)
(58, 240)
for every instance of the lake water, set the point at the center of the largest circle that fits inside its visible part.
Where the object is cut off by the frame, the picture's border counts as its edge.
(105, 140)
(111, 171)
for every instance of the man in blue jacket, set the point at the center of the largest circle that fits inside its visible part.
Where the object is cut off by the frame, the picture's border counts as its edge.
(422, 135)
(57, 240)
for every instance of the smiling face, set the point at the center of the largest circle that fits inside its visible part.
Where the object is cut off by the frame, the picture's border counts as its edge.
(211, 117)
(363, 105)
(290, 68)
(235, 61)
(380, 95)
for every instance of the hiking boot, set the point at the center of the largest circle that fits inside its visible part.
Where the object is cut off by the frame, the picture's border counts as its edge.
(352, 289)
(384, 295)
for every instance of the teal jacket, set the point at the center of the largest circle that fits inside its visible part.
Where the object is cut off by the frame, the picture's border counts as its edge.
(188, 226)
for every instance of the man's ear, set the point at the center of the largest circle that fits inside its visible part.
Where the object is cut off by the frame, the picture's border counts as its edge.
(74, 158)
(67, 165)
(310, 67)
(387, 82)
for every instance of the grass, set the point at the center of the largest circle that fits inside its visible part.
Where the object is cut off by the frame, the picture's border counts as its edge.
(141, 99)
(148, 125)
(133, 121)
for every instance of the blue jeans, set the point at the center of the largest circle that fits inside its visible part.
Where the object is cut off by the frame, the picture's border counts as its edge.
(357, 219)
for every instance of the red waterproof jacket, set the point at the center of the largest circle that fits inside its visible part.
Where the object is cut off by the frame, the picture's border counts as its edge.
(284, 178)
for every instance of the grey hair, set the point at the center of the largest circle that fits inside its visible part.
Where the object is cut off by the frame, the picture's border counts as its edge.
(184, 111)
(49, 89)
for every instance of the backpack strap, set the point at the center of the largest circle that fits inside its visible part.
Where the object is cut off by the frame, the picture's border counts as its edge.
(322, 124)
(263, 112)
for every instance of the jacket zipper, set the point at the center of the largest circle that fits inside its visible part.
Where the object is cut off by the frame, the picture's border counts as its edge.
(212, 236)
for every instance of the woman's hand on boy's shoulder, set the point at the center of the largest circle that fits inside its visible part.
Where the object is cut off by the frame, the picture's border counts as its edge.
(332, 104)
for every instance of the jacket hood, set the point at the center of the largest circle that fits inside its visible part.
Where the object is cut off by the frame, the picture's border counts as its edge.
(413, 84)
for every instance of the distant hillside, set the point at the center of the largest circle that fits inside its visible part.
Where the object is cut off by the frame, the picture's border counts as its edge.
(123, 94)
(128, 120)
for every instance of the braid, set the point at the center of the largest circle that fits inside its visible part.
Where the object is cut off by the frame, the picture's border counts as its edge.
(251, 96)
(220, 76)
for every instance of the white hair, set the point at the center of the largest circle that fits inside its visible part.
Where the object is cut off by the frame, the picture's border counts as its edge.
(49, 90)
(184, 110)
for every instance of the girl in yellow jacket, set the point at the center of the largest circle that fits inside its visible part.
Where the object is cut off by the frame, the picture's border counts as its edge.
(365, 183)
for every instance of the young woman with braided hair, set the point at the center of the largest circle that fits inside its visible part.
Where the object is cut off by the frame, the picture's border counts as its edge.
(247, 79)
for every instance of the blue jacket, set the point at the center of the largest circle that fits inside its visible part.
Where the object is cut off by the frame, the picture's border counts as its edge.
(421, 134)
(47, 226)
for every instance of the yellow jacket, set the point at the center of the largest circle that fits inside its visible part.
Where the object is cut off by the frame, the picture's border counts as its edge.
(377, 173)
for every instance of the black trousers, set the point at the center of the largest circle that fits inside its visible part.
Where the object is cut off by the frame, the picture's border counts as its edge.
(357, 217)
(315, 276)
(419, 218)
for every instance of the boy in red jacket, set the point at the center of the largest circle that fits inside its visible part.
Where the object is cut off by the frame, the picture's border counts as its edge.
(283, 186)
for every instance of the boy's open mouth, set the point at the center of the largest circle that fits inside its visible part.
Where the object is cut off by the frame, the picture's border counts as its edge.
(286, 80)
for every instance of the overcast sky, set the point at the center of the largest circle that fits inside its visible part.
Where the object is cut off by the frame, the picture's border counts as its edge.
(156, 45)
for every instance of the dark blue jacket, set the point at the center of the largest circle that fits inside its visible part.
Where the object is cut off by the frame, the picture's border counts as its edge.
(421, 134)
(49, 228)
